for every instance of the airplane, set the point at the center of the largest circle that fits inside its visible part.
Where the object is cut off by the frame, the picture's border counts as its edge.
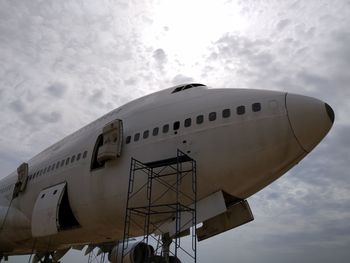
(74, 193)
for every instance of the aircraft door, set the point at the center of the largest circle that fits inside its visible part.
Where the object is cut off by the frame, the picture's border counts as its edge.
(52, 212)
(108, 145)
(22, 179)
(112, 141)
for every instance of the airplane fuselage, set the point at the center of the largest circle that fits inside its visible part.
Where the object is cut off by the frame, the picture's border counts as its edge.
(242, 140)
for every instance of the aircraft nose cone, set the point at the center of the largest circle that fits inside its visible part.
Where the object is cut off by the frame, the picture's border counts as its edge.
(310, 119)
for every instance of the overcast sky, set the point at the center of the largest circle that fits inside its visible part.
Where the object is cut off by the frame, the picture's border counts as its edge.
(65, 63)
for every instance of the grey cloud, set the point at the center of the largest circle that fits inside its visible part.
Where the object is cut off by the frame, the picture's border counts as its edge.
(96, 95)
(9, 159)
(181, 79)
(273, 195)
(160, 57)
(51, 117)
(262, 59)
(57, 89)
(17, 106)
(322, 236)
(304, 32)
(97, 98)
(31, 120)
(130, 81)
(339, 52)
(312, 79)
(234, 49)
(283, 24)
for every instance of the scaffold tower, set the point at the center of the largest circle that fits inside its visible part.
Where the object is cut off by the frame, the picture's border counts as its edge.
(161, 208)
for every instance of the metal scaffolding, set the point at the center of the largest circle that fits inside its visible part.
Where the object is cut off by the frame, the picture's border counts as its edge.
(96, 257)
(161, 207)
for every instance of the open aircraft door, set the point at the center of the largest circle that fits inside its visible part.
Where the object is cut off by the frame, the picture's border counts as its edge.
(111, 147)
(52, 212)
(108, 145)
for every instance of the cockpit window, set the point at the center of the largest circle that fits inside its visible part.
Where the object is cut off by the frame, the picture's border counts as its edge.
(188, 86)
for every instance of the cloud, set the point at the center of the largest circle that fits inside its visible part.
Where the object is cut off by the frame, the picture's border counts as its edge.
(17, 106)
(96, 95)
(130, 81)
(341, 49)
(181, 79)
(311, 79)
(232, 49)
(51, 117)
(282, 24)
(57, 89)
(160, 57)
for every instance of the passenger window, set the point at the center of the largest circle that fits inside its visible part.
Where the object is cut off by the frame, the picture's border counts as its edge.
(57, 165)
(212, 116)
(188, 122)
(62, 163)
(45, 170)
(226, 113)
(137, 137)
(73, 159)
(256, 107)
(78, 156)
(49, 168)
(145, 134)
(240, 110)
(200, 119)
(67, 161)
(128, 139)
(165, 128)
(85, 154)
(155, 131)
(176, 125)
